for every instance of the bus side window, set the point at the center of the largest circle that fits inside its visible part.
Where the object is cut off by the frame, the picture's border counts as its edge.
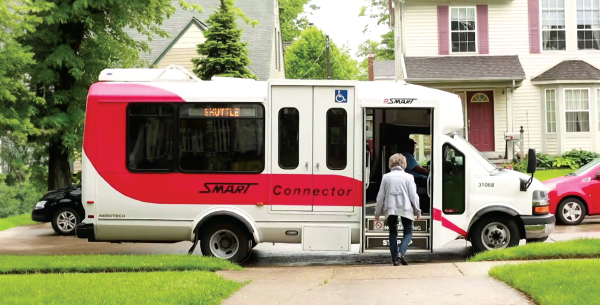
(453, 181)
(150, 137)
(337, 132)
(289, 140)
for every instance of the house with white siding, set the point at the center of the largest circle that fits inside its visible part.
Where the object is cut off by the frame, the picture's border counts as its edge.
(186, 28)
(529, 63)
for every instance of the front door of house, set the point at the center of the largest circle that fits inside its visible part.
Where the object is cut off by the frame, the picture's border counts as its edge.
(480, 119)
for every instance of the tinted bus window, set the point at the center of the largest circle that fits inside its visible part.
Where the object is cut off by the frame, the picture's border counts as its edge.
(336, 139)
(289, 141)
(222, 138)
(453, 181)
(150, 137)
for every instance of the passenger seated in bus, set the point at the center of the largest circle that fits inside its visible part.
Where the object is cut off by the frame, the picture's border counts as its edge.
(412, 166)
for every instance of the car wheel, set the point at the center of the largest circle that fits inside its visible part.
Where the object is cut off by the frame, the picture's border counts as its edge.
(571, 211)
(537, 240)
(227, 241)
(65, 221)
(493, 233)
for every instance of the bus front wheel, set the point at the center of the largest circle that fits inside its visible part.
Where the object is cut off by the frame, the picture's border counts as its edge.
(494, 232)
(225, 240)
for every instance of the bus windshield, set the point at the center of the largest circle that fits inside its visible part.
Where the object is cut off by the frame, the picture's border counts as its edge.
(487, 164)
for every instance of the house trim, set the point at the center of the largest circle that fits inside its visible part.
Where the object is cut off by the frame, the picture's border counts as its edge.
(164, 52)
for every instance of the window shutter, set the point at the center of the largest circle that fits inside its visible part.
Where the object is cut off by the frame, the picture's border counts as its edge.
(482, 29)
(534, 26)
(443, 31)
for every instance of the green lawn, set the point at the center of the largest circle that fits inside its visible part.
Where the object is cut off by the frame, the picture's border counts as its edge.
(110, 263)
(577, 248)
(16, 221)
(548, 174)
(187, 287)
(557, 282)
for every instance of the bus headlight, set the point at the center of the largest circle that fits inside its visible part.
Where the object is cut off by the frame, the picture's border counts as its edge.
(540, 202)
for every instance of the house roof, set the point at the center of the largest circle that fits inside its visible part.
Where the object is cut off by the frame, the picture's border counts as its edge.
(384, 69)
(464, 68)
(570, 70)
(260, 39)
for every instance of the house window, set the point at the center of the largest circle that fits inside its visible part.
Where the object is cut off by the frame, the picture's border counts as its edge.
(553, 25)
(588, 25)
(462, 30)
(550, 102)
(577, 110)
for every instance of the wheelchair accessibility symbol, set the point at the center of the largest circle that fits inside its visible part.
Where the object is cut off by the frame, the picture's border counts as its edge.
(341, 96)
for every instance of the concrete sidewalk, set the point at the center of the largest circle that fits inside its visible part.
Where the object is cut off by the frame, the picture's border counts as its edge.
(446, 283)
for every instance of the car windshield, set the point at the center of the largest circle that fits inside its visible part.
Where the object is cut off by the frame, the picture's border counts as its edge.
(481, 158)
(584, 169)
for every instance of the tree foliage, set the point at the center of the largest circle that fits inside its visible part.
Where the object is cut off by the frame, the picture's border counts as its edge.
(293, 18)
(306, 58)
(376, 9)
(17, 103)
(223, 53)
(72, 41)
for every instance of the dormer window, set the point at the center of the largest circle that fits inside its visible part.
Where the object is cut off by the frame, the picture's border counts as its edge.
(462, 29)
(588, 25)
(553, 25)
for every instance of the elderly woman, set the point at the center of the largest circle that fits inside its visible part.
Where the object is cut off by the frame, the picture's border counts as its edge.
(398, 198)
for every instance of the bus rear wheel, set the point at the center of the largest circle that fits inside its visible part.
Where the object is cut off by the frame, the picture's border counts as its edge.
(493, 233)
(227, 241)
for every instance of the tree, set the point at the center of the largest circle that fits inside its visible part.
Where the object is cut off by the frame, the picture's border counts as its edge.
(17, 103)
(292, 19)
(73, 41)
(223, 53)
(306, 59)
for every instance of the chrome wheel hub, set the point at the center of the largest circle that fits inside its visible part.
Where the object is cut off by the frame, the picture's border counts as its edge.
(66, 221)
(224, 244)
(572, 211)
(495, 236)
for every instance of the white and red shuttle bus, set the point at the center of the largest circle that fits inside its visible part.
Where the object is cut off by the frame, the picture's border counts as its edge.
(233, 163)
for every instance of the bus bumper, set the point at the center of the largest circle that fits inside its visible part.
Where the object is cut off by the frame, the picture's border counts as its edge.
(85, 231)
(538, 226)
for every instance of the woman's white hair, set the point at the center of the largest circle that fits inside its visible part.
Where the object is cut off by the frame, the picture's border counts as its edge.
(397, 160)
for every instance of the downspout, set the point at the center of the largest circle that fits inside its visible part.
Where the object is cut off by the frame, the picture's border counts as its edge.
(399, 37)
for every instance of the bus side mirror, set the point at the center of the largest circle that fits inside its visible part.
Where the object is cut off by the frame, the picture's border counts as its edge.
(531, 161)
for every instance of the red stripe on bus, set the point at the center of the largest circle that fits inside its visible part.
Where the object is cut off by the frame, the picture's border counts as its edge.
(437, 215)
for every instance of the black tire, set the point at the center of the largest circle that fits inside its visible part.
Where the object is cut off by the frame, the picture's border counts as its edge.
(503, 225)
(234, 242)
(569, 219)
(537, 240)
(62, 221)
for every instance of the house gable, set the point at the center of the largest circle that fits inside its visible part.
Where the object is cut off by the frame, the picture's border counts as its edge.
(183, 47)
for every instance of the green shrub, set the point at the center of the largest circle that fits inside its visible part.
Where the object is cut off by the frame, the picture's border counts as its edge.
(18, 199)
(575, 159)
(544, 160)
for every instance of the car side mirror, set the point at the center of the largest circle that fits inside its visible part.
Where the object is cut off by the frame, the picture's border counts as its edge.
(597, 176)
(531, 161)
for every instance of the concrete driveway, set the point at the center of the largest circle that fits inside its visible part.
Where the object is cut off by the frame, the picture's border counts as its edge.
(40, 239)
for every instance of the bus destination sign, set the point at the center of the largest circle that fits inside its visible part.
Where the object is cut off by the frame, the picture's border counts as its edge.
(223, 112)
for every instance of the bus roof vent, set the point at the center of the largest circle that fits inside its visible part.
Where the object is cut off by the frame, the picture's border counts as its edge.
(171, 73)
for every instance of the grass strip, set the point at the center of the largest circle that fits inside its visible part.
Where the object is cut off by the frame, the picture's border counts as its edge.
(188, 287)
(548, 174)
(576, 248)
(16, 221)
(15, 264)
(555, 282)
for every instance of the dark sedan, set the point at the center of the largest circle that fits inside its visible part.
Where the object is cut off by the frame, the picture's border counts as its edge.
(62, 208)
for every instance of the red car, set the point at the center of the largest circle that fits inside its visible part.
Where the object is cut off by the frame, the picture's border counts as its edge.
(576, 195)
